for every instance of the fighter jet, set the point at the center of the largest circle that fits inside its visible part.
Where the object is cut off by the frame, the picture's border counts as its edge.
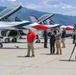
(11, 28)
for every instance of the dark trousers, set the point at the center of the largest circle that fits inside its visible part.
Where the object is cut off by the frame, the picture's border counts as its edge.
(52, 46)
(45, 42)
(73, 40)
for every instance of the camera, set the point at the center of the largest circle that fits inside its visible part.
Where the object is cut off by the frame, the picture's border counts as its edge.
(54, 31)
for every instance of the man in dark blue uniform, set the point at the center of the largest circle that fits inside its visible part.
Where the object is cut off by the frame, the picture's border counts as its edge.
(45, 38)
(52, 41)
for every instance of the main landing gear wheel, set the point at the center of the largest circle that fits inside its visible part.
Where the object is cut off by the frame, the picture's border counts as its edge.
(38, 41)
(7, 40)
(1, 45)
(14, 40)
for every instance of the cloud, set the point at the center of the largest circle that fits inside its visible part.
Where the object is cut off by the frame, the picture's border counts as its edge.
(12, 0)
(66, 6)
(72, 13)
(43, 4)
(31, 6)
(54, 6)
(46, 4)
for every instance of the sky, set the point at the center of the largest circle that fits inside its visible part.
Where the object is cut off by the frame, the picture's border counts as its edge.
(65, 7)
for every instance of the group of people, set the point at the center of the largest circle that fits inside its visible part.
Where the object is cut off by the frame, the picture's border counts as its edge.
(55, 39)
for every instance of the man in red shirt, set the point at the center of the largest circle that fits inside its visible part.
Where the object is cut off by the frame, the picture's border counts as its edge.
(30, 40)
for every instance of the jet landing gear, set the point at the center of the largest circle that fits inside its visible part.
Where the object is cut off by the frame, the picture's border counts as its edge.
(38, 40)
(1, 45)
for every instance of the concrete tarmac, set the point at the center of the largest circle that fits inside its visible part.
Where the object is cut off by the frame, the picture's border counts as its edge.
(14, 62)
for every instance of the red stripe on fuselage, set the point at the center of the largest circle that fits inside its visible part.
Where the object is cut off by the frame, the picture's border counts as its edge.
(40, 27)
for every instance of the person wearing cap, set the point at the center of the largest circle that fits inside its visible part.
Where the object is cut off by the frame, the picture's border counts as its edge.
(30, 40)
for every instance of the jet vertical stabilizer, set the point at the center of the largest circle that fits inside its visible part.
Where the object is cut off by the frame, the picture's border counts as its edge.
(33, 18)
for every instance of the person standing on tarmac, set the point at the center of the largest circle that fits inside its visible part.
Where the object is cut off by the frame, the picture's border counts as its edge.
(45, 38)
(58, 41)
(30, 40)
(63, 37)
(73, 35)
(52, 41)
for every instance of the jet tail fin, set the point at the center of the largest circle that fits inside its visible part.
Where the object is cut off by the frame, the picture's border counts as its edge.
(33, 18)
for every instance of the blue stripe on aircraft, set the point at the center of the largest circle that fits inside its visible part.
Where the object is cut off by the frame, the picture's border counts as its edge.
(23, 24)
(57, 26)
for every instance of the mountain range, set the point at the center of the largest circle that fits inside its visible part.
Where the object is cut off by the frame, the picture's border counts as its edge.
(25, 13)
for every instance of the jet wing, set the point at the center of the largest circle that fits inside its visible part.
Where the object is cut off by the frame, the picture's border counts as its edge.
(44, 17)
(8, 12)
